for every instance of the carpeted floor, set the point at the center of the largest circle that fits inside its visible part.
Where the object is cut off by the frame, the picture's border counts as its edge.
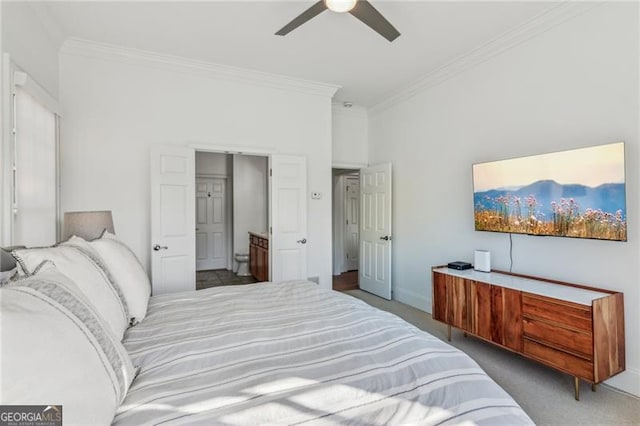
(545, 394)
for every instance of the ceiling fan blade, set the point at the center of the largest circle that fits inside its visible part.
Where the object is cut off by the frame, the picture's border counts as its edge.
(368, 14)
(305, 16)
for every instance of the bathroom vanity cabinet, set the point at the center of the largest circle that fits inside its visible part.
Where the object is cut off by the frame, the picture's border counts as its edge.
(259, 256)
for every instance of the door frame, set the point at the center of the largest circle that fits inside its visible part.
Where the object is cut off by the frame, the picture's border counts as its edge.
(337, 217)
(237, 150)
(228, 213)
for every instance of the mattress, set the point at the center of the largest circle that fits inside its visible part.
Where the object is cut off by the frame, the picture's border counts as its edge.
(292, 353)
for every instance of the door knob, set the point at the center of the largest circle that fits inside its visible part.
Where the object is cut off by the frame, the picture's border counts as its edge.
(386, 238)
(303, 241)
(158, 247)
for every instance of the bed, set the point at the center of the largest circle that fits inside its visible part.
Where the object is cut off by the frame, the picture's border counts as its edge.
(79, 329)
(292, 353)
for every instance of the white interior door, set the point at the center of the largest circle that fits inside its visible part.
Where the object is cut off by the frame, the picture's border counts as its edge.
(211, 226)
(352, 222)
(288, 218)
(375, 230)
(173, 246)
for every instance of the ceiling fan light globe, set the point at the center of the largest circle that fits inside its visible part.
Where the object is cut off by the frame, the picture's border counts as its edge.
(340, 6)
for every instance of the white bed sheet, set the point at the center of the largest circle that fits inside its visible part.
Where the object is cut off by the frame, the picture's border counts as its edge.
(291, 353)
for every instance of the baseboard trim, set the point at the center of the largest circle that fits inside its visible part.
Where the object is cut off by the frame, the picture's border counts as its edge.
(411, 298)
(628, 382)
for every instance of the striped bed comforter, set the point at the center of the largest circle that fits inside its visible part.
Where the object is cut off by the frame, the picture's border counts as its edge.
(291, 353)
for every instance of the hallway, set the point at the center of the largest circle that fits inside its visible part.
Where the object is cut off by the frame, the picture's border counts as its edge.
(346, 281)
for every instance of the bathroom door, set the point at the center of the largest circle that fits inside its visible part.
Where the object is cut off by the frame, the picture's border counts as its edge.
(211, 226)
(288, 245)
(173, 266)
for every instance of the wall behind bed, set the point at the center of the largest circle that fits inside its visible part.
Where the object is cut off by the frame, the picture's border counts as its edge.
(117, 103)
(574, 85)
(32, 43)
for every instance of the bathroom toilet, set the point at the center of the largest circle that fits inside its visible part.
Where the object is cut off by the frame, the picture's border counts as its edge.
(243, 265)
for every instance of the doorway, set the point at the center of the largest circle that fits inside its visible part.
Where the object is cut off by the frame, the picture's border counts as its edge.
(173, 216)
(346, 228)
(231, 202)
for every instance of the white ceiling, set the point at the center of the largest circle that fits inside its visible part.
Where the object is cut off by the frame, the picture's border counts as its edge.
(332, 48)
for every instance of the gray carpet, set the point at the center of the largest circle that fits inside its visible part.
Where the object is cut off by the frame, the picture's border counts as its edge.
(545, 394)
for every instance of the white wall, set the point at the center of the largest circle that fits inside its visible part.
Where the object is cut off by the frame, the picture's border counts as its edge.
(249, 199)
(116, 106)
(350, 139)
(575, 85)
(30, 43)
(350, 134)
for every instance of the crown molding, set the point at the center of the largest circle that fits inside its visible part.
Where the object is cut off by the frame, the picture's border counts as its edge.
(109, 52)
(543, 22)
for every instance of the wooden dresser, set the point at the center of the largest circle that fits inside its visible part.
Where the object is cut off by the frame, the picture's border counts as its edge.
(575, 329)
(259, 256)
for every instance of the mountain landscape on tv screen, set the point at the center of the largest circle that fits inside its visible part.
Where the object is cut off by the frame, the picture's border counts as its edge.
(546, 207)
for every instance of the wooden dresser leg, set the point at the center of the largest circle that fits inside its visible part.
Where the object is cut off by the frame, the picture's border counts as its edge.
(576, 387)
(593, 387)
(449, 332)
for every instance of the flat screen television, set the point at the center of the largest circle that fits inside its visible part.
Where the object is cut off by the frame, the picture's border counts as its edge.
(578, 193)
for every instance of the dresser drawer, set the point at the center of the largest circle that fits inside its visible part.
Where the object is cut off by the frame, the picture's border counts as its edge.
(556, 358)
(570, 314)
(574, 341)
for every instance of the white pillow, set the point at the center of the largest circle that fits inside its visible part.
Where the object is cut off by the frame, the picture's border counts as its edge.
(57, 350)
(128, 273)
(77, 260)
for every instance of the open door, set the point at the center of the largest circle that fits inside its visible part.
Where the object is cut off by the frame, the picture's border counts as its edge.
(288, 218)
(375, 230)
(352, 222)
(173, 257)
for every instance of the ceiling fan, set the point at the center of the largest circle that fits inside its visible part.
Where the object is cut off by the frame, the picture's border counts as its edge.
(361, 9)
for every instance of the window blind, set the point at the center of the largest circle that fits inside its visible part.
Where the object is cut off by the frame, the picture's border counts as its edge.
(35, 178)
